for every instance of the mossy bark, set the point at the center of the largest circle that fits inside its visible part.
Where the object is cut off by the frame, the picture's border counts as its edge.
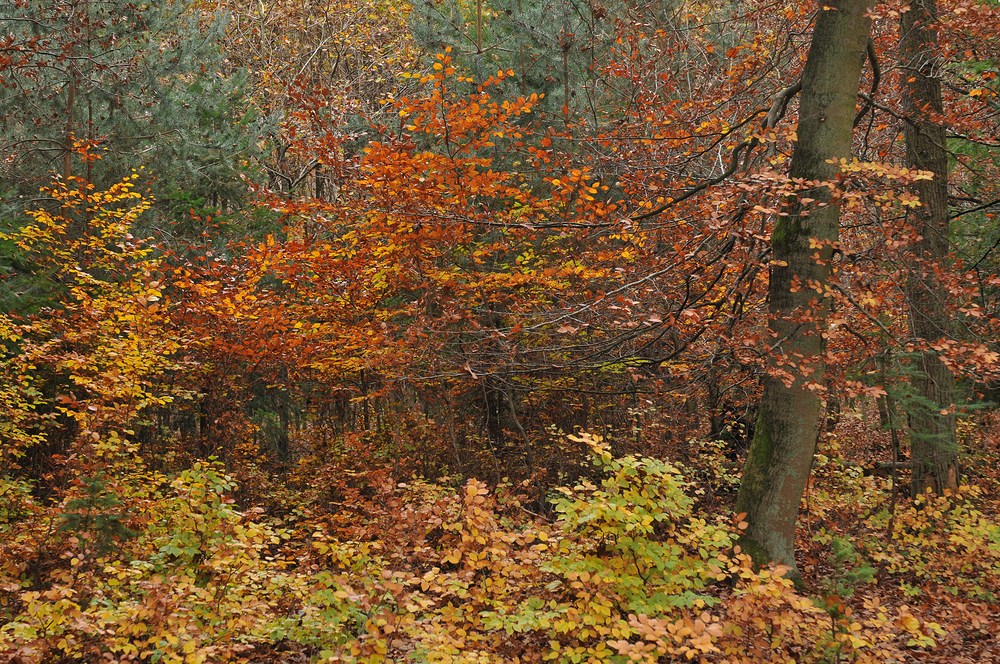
(780, 458)
(934, 452)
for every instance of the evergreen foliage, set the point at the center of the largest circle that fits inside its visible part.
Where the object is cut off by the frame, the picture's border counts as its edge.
(141, 84)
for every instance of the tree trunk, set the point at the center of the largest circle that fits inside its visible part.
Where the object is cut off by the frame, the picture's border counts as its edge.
(934, 452)
(780, 458)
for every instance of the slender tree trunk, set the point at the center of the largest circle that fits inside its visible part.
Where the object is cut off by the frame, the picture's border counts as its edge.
(716, 420)
(784, 441)
(934, 452)
(72, 85)
(479, 26)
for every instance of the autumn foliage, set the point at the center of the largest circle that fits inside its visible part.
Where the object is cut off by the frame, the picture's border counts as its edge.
(469, 369)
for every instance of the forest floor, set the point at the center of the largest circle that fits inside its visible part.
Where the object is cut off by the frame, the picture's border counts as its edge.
(345, 558)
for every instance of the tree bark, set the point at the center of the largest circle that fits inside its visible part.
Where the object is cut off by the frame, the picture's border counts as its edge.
(780, 458)
(933, 448)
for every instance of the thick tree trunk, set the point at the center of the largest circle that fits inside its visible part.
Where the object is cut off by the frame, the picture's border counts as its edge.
(780, 458)
(934, 453)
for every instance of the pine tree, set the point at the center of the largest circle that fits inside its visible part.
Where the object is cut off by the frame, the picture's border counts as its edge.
(139, 82)
(555, 47)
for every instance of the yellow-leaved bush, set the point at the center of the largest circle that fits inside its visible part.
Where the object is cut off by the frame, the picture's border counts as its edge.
(623, 572)
(945, 541)
(103, 341)
(196, 583)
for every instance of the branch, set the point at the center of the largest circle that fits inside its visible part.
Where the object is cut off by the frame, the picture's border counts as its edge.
(773, 115)
(864, 311)
(876, 78)
(986, 255)
(978, 208)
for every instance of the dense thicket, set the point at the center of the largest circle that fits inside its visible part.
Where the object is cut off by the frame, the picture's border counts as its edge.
(436, 331)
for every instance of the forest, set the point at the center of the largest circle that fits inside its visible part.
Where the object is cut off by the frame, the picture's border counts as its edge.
(488, 331)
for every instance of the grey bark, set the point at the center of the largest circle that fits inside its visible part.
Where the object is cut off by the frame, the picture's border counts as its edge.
(780, 458)
(934, 452)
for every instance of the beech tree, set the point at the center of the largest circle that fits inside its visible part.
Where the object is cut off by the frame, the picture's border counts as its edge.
(802, 243)
(466, 375)
(934, 452)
